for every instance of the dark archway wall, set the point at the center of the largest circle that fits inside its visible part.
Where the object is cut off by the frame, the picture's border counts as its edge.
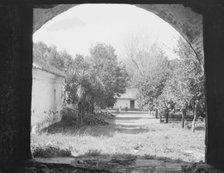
(15, 84)
(187, 22)
(16, 74)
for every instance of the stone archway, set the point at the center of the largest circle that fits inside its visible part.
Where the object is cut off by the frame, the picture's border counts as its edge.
(16, 69)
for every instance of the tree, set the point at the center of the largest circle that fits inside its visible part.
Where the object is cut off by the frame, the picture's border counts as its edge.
(166, 84)
(148, 68)
(96, 80)
(185, 87)
(197, 80)
(44, 54)
(176, 92)
(40, 52)
(111, 74)
(90, 81)
(155, 69)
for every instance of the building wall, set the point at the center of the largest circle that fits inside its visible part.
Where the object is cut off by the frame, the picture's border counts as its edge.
(47, 97)
(123, 103)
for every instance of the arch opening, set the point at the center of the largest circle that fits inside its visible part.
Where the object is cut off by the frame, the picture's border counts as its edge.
(176, 15)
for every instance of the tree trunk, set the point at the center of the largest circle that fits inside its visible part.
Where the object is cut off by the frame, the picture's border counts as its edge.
(81, 104)
(195, 116)
(156, 113)
(183, 117)
(160, 118)
(80, 113)
(167, 115)
(92, 107)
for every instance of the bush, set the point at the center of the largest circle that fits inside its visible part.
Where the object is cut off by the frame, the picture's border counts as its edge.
(50, 151)
(92, 119)
(69, 115)
(93, 153)
(104, 114)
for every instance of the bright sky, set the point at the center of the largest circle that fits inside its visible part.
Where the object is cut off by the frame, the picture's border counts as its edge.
(79, 28)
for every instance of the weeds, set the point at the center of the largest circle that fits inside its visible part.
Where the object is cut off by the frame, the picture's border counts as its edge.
(50, 151)
(93, 153)
(156, 140)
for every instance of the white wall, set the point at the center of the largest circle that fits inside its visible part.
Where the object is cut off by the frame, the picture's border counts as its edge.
(47, 95)
(123, 103)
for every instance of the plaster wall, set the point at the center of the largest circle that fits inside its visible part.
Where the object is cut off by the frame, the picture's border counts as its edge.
(47, 97)
(125, 103)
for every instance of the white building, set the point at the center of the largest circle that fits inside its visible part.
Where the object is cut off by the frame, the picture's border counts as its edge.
(127, 100)
(47, 95)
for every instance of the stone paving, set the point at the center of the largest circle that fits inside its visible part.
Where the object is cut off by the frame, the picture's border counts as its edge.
(110, 165)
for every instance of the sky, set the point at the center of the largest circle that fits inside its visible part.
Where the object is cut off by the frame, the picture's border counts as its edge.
(79, 28)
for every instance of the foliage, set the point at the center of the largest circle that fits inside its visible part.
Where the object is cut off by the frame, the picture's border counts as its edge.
(190, 75)
(109, 74)
(51, 56)
(154, 81)
(166, 83)
(96, 79)
(149, 69)
(100, 76)
(185, 86)
(50, 151)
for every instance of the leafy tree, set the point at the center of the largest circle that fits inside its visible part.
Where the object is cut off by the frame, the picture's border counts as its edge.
(150, 79)
(55, 59)
(177, 93)
(44, 54)
(167, 84)
(109, 72)
(40, 52)
(96, 80)
(185, 87)
(90, 81)
(148, 68)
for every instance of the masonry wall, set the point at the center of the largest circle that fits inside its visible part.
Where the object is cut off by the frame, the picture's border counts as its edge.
(47, 98)
(15, 84)
(123, 103)
(214, 73)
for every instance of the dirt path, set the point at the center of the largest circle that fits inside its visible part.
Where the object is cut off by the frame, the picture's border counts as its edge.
(134, 119)
(133, 122)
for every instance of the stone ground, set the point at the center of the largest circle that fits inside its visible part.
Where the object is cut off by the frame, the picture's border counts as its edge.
(108, 165)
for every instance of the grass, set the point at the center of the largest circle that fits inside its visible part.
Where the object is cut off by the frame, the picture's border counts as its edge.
(153, 140)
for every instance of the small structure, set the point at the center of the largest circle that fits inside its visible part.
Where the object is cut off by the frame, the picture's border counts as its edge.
(127, 101)
(47, 95)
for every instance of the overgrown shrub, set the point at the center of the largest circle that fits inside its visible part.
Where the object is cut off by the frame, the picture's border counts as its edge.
(93, 153)
(50, 151)
(104, 114)
(69, 115)
(93, 119)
